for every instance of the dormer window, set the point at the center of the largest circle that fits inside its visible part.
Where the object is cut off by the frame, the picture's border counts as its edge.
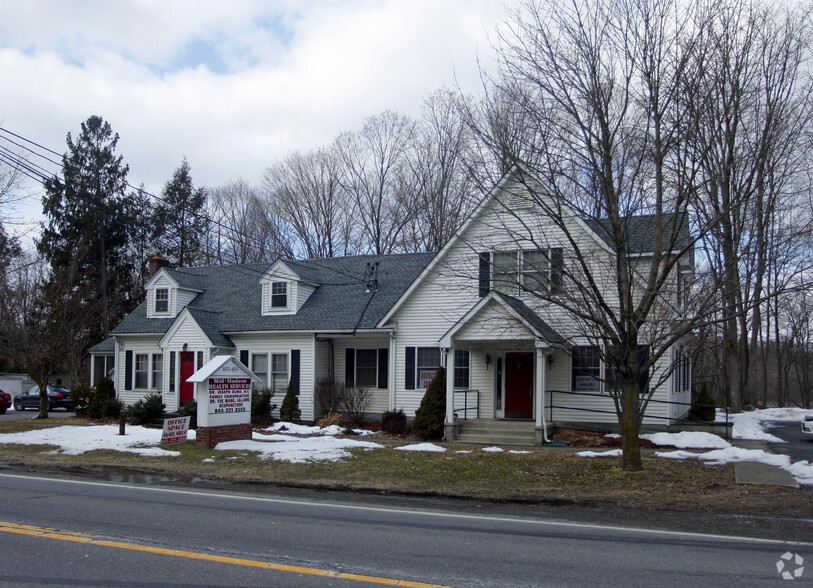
(161, 300)
(279, 295)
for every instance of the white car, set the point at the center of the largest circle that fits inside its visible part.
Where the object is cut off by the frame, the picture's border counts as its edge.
(807, 424)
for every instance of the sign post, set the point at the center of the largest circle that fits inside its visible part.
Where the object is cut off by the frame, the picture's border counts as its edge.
(223, 394)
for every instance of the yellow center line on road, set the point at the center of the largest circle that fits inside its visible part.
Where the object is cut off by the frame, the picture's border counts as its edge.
(79, 537)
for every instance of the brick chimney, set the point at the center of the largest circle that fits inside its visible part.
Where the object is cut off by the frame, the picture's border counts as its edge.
(156, 263)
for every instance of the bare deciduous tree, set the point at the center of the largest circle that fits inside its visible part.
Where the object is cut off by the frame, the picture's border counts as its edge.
(245, 229)
(374, 162)
(305, 191)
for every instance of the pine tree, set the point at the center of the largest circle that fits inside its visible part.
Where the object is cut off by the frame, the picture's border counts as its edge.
(88, 216)
(431, 415)
(180, 220)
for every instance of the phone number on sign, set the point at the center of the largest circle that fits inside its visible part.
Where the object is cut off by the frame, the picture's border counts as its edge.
(231, 409)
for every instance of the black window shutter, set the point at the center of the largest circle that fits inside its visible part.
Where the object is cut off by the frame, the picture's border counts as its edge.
(485, 273)
(349, 367)
(295, 370)
(244, 358)
(556, 267)
(383, 375)
(409, 369)
(128, 370)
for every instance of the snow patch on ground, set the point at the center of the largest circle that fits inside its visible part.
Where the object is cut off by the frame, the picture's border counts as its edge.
(492, 450)
(75, 440)
(608, 453)
(688, 440)
(431, 447)
(299, 449)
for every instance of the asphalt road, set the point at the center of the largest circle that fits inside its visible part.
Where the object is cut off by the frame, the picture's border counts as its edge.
(151, 535)
(799, 445)
(12, 415)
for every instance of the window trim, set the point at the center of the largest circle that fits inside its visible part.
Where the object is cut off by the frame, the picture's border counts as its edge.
(160, 372)
(374, 352)
(460, 369)
(418, 380)
(285, 294)
(144, 373)
(574, 367)
(157, 299)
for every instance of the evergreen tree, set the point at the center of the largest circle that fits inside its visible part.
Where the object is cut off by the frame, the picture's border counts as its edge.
(180, 220)
(290, 406)
(431, 415)
(86, 231)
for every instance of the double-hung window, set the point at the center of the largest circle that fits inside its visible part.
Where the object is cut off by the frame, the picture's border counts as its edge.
(157, 371)
(586, 369)
(505, 272)
(279, 295)
(367, 368)
(161, 300)
(461, 369)
(142, 370)
(535, 271)
(259, 365)
(427, 365)
(279, 372)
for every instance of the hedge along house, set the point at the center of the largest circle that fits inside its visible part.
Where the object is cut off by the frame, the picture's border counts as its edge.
(387, 323)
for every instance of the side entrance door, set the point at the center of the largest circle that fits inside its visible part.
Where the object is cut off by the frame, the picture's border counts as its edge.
(519, 385)
(187, 369)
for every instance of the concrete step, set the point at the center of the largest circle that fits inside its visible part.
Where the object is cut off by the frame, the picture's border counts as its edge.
(496, 432)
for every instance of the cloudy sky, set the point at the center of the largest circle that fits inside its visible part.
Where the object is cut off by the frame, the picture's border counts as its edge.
(230, 85)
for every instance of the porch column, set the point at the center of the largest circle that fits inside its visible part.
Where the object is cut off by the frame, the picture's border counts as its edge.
(449, 427)
(541, 383)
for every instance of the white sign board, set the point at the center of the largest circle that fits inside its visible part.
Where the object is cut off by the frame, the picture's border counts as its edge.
(223, 392)
(229, 395)
(175, 430)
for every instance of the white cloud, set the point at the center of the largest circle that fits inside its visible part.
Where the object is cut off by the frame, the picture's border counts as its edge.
(231, 86)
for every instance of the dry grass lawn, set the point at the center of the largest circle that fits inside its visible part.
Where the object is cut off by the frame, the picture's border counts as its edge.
(554, 475)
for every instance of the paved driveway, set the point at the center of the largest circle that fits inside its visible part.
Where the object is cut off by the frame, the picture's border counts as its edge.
(799, 445)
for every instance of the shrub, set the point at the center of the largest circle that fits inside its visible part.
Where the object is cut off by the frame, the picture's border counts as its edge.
(328, 397)
(98, 402)
(190, 409)
(331, 418)
(355, 403)
(431, 415)
(146, 410)
(290, 406)
(394, 422)
(80, 399)
(261, 407)
(703, 408)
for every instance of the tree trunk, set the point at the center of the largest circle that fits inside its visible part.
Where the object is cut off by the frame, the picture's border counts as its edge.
(630, 442)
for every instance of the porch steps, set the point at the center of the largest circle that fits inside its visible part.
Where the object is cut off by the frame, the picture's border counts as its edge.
(489, 432)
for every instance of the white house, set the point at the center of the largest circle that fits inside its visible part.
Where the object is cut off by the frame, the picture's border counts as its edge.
(388, 322)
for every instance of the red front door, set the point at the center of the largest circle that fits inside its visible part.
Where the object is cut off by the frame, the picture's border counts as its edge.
(519, 385)
(187, 369)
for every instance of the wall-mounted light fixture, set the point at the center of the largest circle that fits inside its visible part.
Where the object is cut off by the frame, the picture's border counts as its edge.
(550, 360)
(185, 346)
(488, 361)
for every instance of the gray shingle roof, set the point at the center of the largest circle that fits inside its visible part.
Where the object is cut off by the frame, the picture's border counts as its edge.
(531, 318)
(230, 300)
(641, 231)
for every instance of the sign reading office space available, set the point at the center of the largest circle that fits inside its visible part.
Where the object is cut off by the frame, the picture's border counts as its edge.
(229, 395)
(175, 430)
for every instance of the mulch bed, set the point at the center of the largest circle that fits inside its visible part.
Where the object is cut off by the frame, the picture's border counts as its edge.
(575, 438)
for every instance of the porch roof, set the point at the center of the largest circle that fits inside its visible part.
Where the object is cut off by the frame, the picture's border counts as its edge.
(516, 309)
